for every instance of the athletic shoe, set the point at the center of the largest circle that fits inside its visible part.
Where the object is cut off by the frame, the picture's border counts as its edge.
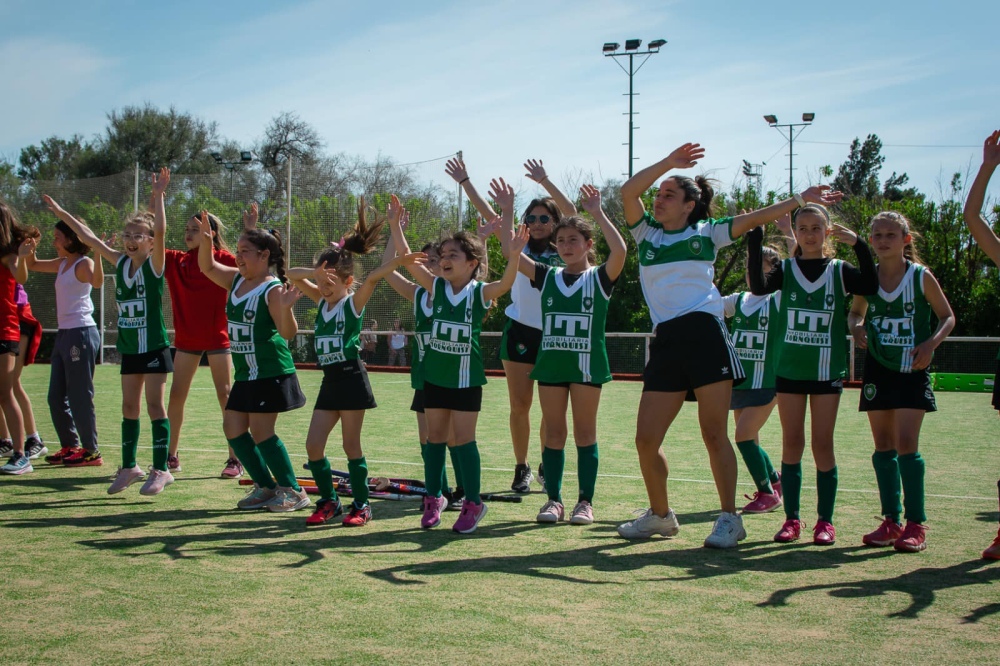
(913, 539)
(583, 514)
(83, 458)
(257, 498)
(762, 502)
(551, 512)
(790, 531)
(522, 479)
(125, 477)
(358, 517)
(233, 469)
(649, 524)
(157, 481)
(824, 534)
(433, 506)
(993, 551)
(60, 456)
(18, 464)
(34, 448)
(540, 477)
(288, 499)
(472, 513)
(173, 464)
(326, 509)
(6, 448)
(727, 532)
(455, 498)
(884, 535)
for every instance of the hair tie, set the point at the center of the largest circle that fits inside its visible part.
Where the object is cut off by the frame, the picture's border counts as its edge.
(338, 244)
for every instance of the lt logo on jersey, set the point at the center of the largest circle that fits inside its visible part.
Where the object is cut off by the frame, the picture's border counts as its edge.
(449, 337)
(894, 331)
(751, 345)
(567, 332)
(808, 327)
(132, 314)
(240, 337)
(329, 349)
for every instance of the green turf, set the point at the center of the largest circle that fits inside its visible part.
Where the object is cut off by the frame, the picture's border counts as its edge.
(183, 577)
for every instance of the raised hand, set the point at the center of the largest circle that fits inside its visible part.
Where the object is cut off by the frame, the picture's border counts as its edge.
(822, 194)
(844, 235)
(502, 193)
(53, 207)
(518, 240)
(404, 219)
(590, 199)
(686, 156)
(991, 149)
(287, 295)
(456, 169)
(160, 182)
(784, 224)
(204, 226)
(411, 259)
(486, 229)
(111, 240)
(27, 247)
(536, 171)
(395, 210)
(251, 217)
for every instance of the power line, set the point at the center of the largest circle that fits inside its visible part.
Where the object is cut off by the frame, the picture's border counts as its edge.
(436, 159)
(892, 145)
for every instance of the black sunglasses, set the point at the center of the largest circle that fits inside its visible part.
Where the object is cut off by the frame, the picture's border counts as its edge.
(532, 219)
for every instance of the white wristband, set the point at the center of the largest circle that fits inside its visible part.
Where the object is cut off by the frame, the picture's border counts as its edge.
(799, 200)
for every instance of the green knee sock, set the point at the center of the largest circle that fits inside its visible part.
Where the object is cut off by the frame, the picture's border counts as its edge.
(324, 478)
(586, 471)
(826, 491)
(275, 455)
(161, 443)
(444, 470)
(753, 457)
(249, 456)
(434, 456)
(358, 469)
(130, 442)
(887, 469)
(791, 488)
(911, 470)
(468, 457)
(772, 475)
(457, 468)
(554, 461)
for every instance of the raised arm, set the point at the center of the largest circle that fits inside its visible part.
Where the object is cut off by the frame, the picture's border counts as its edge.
(159, 255)
(21, 261)
(684, 157)
(495, 290)
(41, 265)
(280, 300)
(503, 194)
(213, 270)
(617, 250)
(300, 278)
(536, 172)
(455, 168)
(397, 218)
(367, 288)
(88, 237)
(96, 268)
(978, 226)
(250, 217)
(819, 194)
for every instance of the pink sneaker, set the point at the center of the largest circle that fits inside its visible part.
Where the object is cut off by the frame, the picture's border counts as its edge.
(156, 482)
(762, 502)
(913, 539)
(124, 478)
(433, 506)
(583, 514)
(233, 469)
(993, 551)
(776, 486)
(824, 534)
(884, 535)
(551, 512)
(790, 531)
(471, 514)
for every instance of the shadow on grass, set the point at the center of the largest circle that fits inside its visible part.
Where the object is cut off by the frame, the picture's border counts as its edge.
(41, 484)
(989, 516)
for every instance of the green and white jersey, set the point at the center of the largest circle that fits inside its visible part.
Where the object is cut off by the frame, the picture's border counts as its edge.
(525, 301)
(338, 331)
(573, 319)
(814, 340)
(139, 298)
(897, 322)
(677, 268)
(258, 350)
(423, 311)
(453, 358)
(754, 326)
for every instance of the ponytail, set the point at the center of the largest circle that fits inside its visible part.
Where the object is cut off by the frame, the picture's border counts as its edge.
(269, 240)
(701, 191)
(339, 256)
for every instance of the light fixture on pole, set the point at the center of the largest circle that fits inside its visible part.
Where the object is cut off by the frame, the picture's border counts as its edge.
(772, 121)
(610, 49)
(754, 172)
(246, 157)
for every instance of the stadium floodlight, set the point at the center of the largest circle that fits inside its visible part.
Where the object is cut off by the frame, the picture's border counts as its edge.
(657, 43)
(217, 157)
(771, 119)
(611, 47)
(632, 44)
(808, 117)
(246, 156)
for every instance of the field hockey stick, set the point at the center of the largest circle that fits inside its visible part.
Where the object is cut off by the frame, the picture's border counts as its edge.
(381, 480)
(344, 490)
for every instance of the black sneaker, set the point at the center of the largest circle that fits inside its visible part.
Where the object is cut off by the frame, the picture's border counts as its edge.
(6, 448)
(34, 448)
(522, 479)
(455, 498)
(540, 477)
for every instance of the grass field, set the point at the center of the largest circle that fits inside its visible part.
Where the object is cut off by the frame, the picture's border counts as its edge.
(93, 578)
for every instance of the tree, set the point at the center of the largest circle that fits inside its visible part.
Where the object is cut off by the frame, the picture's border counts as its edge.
(55, 159)
(858, 176)
(289, 137)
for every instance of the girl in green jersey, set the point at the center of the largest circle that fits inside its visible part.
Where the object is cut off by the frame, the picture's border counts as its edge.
(894, 325)
(260, 320)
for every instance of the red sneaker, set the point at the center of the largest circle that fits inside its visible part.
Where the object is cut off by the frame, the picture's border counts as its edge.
(913, 538)
(358, 517)
(84, 458)
(993, 552)
(325, 510)
(884, 535)
(824, 534)
(762, 502)
(790, 531)
(59, 457)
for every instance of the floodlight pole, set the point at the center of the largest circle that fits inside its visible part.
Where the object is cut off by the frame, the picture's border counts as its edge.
(631, 72)
(772, 121)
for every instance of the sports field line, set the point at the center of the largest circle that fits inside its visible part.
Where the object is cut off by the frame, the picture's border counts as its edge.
(629, 477)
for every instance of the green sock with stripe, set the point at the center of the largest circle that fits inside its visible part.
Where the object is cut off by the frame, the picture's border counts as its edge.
(161, 443)
(586, 471)
(753, 456)
(887, 468)
(130, 442)
(253, 463)
(275, 455)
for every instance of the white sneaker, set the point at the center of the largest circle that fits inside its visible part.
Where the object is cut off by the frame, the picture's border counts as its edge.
(288, 499)
(257, 498)
(727, 532)
(649, 524)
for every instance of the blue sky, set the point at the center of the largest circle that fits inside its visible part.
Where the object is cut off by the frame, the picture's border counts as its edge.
(505, 81)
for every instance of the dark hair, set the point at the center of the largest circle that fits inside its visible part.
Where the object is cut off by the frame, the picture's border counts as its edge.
(583, 227)
(549, 204)
(12, 234)
(429, 246)
(770, 254)
(471, 247)
(269, 240)
(339, 256)
(910, 249)
(700, 190)
(218, 242)
(73, 243)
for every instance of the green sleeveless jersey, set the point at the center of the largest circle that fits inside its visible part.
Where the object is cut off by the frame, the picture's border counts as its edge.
(258, 350)
(573, 319)
(141, 327)
(754, 326)
(814, 340)
(897, 322)
(453, 358)
(338, 332)
(422, 316)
